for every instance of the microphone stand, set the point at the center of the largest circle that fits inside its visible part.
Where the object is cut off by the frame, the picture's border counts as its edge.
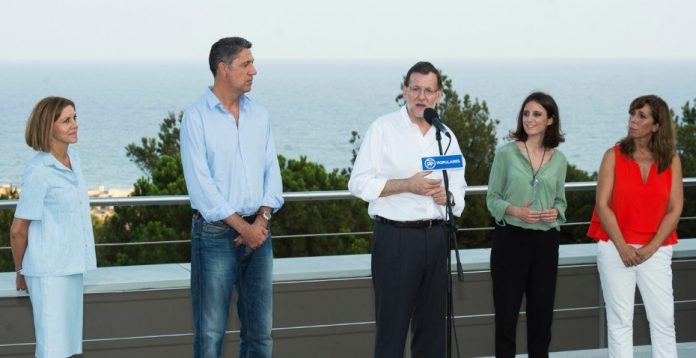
(451, 245)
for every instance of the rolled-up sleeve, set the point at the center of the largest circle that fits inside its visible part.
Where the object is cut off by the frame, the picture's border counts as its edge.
(272, 181)
(496, 184)
(457, 182)
(31, 198)
(560, 202)
(366, 181)
(203, 193)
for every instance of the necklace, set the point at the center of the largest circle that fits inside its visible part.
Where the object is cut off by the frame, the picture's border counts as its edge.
(535, 181)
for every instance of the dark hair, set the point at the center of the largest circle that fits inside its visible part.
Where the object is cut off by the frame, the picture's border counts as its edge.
(553, 135)
(226, 50)
(424, 68)
(40, 122)
(662, 143)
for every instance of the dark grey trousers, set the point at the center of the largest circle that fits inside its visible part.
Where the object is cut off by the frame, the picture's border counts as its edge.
(409, 275)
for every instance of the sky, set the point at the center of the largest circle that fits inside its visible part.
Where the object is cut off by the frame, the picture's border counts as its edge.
(68, 30)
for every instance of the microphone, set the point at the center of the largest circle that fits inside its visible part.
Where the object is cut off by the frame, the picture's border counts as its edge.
(432, 118)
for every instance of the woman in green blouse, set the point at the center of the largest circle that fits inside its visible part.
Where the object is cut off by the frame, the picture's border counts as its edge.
(526, 197)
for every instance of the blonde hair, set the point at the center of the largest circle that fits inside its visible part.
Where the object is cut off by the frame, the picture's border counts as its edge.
(41, 119)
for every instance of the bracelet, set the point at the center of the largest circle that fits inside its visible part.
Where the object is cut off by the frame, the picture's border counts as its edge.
(18, 270)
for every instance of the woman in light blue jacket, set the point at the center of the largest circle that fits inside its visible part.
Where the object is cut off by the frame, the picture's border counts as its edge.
(51, 235)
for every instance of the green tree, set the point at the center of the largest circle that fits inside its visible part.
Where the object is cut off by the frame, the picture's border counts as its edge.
(147, 154)
(469, 119)
(318, 217)
(686, 138)
(580, 207)
(581, 203)
(159, 159)
(6, 217)
(476, 134)
(686, 148)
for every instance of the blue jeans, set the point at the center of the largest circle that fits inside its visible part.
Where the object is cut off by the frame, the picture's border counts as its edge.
(218, 267)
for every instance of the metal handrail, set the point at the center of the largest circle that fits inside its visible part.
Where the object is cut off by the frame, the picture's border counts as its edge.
(332, 234)
(288, 196)
(293, 196)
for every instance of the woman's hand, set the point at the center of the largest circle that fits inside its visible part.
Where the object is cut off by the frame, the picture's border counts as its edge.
(21, 283)
(549, 215)
(629, 255)
(19, 240)
(646, 252)
(527, 215)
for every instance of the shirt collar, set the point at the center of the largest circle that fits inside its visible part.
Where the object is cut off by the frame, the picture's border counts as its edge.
(49, 160)
(405, 118)
(412, 126)
(213, 102)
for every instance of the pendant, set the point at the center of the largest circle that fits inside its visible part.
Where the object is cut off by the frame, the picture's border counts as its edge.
(534, 183)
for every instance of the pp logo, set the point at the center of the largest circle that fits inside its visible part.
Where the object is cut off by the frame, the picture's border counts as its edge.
(429, 163)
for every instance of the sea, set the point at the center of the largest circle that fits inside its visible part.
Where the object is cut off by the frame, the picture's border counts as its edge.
(314, 105)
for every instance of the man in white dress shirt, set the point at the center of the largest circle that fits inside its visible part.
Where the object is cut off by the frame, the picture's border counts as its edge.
(407, 204)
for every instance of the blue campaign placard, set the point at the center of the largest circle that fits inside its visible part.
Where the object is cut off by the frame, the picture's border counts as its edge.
(440, 162)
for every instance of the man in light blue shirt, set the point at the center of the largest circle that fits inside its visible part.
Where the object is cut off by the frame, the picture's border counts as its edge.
(233, 180)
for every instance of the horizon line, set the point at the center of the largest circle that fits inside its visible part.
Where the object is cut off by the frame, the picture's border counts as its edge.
(363, 59)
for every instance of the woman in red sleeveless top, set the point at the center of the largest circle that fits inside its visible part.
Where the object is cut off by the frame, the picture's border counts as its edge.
(638, 205)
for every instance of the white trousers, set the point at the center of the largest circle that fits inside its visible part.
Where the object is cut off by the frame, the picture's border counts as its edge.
(654, 280)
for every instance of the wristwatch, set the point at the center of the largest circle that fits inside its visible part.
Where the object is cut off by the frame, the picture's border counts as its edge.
(266, 214)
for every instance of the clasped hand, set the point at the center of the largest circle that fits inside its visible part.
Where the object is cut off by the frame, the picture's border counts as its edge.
(419, 184)
(253, 235)
(528, 215)
(633, 256)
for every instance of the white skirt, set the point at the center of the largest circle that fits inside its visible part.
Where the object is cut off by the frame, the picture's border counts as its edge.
(57, 303)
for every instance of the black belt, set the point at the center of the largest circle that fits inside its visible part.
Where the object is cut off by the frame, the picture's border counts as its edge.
(417, 224)
(249, 218)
